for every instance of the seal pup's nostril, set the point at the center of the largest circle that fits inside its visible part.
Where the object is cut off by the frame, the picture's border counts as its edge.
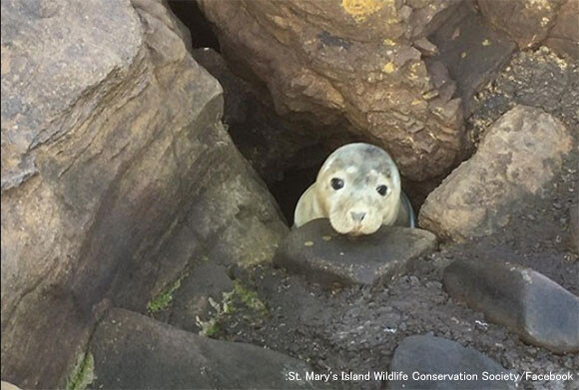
(358, 217)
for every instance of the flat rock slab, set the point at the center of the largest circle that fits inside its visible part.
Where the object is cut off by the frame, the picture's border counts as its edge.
(542, 312)
(435, 355)
(326, 257)
(132, 351)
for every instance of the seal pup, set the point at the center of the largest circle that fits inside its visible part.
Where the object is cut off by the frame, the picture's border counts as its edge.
(358, 188)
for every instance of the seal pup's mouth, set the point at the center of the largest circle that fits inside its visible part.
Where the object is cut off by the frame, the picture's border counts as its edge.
(353, 230)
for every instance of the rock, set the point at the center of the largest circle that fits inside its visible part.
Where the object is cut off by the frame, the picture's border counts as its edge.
(203, 287)
(517, 157)
(573, 230)
(116, 173)
(542, 312)
(564, 36)
(436, 355)
(316, 251)
(472, 52)
(132, 351)
(333, 60)
(527, 22)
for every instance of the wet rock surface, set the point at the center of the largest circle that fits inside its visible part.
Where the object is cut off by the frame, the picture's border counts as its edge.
(542, 312)
(438, 356)
(132, 351)
(324, 256)
(517, 157)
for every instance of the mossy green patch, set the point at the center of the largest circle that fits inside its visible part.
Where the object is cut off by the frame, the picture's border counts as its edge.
(250, 298)
(82, 374)
(165, 298)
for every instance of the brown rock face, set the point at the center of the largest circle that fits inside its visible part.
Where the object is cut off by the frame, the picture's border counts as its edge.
(116, 172)
(352, 59)
(564, 36)
(526, 21)
(520, 153)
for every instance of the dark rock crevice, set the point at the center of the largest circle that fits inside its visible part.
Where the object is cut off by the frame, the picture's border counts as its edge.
(200, 28)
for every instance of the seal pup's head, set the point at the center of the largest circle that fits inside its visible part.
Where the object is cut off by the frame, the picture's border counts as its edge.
(358, 189)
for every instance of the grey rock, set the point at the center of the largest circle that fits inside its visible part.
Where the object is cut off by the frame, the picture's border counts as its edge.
(117, 173)
(323, 256)
(436, 355)
(519, 155)
(132, 351)
(572, 238)
(541, 311)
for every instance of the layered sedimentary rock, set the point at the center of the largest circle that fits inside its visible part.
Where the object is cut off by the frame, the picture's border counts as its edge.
(116, 174)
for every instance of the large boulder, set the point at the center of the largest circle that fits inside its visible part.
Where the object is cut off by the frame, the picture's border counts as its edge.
(518, 298)
(431, 362)
(116, 173)
(362, 61)
(518, 156)
(131, 351)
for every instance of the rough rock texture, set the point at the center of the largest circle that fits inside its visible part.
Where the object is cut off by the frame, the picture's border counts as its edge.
(115, 173)
(316, 251)
(526, 21)
(564, 36)
(518, 155)
(437, 355)
(472, 53)
(195, 296)
(358, 60)
(132, 351)
(541, 311)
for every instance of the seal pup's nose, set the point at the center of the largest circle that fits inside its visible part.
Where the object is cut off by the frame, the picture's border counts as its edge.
(357, 217)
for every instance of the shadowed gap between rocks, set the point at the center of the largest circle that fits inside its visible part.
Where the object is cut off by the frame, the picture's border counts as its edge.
(200, 28)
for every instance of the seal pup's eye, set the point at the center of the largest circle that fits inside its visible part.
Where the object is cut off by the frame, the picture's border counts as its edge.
(337, 183)
(382, 190)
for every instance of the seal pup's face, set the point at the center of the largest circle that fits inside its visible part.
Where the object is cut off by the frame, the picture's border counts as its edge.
(358, 189)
